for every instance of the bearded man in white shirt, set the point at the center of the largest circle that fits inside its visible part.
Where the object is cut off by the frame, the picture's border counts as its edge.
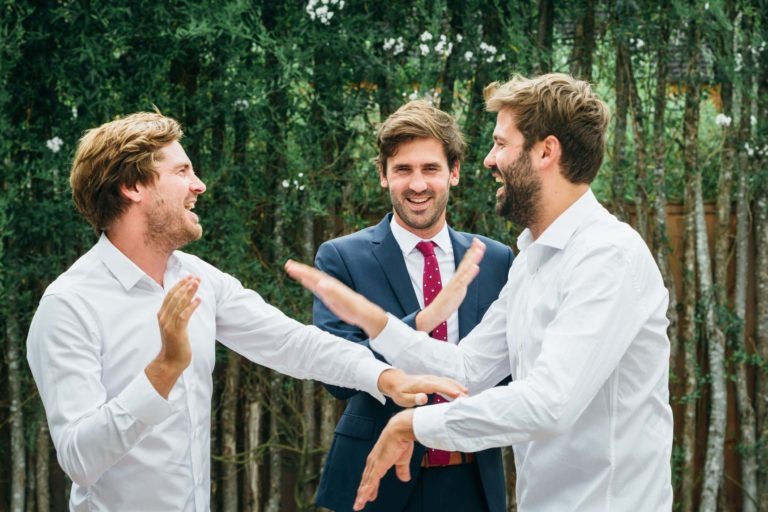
(122, 344)
(581, 326)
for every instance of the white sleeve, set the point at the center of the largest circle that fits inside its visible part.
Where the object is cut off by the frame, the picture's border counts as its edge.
(480, 361)
(605, 303)
(90, 432)
(262, 333)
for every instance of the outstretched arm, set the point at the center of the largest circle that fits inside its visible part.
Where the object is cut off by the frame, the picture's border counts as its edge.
(353, 308)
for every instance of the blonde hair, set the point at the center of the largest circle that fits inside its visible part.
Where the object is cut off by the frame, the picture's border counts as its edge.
(414, 120)
(121, 152)
(559, 105)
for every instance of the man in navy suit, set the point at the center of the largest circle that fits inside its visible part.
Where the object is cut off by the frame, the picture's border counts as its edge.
(420, 149)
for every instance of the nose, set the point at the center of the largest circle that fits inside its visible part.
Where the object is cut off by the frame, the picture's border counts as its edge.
(490, 159)
(196, 185)
(417, 183)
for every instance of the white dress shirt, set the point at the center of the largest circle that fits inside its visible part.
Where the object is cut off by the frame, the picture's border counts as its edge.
(123, 445)
(414, 262)
(581, 325)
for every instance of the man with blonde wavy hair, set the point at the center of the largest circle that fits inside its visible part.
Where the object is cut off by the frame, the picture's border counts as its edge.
(581, 324)
(122, 346)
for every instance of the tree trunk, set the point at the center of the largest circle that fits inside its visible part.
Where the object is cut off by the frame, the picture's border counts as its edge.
(229, 487)
(690, 346)
(620, 133)
(275, 454)
(18, 452)
(511, 478)
(761, 273)
(660, 238)
(308, 386)
(253, 475)
(744, 405)
(545, 34)
(584, 42)
(641, 159)
(42, 456)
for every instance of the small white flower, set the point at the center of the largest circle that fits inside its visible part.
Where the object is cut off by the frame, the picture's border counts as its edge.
(388, 44)
(425, 36)
(301, 175)
(639, 43)
(488, 48)
(752, 120)
(723, 120)
(240, 104)
(301, 187)
(414, 95)
(54, 144)
(341, 4)
(501, 58)
(706, 6)
(468, 55)
(424, 49)
(399, 47)
(74, 112)
(286, 183)
(459, 38)
(750, 150)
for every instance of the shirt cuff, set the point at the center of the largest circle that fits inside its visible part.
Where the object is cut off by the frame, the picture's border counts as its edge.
(429, 426)
(368, 372)
(141, 400)
(392, 340)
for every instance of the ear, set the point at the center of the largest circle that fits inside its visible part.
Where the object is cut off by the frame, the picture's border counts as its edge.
(548, 151)
(455, 173)
(133, 193)
(382, 176)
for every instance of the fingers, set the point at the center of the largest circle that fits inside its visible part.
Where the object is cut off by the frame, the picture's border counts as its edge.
(178, 304)
(369, 485)
(307, 276)
(443, 385)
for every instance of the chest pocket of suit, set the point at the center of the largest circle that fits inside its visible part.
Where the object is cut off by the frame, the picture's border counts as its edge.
(358, 427)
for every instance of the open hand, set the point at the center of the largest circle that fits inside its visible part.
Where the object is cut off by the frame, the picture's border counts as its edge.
(411, 390)
(452, 295)
(394, 448)
(173, 318)
(345, 303)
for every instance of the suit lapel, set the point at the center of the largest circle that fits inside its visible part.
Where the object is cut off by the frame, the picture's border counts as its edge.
(390, 257)
(468, 309)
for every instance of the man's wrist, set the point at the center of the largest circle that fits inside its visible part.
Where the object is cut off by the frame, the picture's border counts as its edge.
(373, 320)
(403, 424)
(423, 320)
(388, 380)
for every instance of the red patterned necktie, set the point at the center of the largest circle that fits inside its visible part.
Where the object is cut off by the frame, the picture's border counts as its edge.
(431, 285)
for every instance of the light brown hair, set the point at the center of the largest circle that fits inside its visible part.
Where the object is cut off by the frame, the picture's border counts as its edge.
(415, 120)
(559, 105)
(121, 152)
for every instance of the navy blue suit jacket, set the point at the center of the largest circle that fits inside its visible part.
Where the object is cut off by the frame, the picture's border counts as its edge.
(370, 261)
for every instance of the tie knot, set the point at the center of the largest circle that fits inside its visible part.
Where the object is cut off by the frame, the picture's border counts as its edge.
(426, 248)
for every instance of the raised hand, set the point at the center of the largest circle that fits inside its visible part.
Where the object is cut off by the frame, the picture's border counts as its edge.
(410, 390)
(345, 303)
(452, 295)
(173, 319)
(394, 448)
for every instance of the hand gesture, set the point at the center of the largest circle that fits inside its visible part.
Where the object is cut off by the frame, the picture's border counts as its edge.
(411, 390)
(452, 295)
(345, 303)
(394, 448)
(173, 318)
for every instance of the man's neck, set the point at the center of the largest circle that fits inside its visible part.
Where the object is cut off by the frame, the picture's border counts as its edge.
(553, 203)
(133, 245)
(427, 233)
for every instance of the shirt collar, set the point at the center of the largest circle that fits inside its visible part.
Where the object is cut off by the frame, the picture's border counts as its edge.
(407, 240)
(557, 235)
(125, 270)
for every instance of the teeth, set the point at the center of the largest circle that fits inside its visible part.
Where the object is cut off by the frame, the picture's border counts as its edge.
(189, 206)
(419, 201)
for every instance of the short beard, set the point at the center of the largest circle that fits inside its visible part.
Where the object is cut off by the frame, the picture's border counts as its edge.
(414, 221)
(521, 195)
(165, 231)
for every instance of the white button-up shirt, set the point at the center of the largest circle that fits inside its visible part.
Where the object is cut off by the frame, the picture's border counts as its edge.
(414, 262)
(123, 445)
(581, 326)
